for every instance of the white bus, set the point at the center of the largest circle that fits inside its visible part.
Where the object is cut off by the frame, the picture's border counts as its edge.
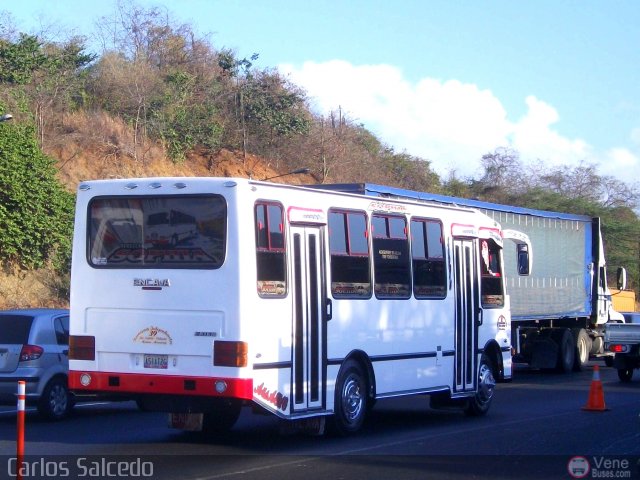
(308, 303)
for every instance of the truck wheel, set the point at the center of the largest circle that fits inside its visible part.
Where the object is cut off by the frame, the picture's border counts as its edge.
(625, 374)
(566, 349)
(479, 404)
(583, 348)
(597, 346)
(350, 399)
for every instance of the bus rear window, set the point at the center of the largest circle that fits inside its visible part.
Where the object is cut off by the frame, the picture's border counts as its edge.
(157, 232)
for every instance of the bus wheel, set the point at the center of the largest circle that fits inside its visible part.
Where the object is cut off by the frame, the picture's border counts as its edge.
(350, 399)
(222, 417)
(479, 404)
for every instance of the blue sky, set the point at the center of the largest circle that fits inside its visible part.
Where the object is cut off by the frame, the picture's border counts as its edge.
(445, 80)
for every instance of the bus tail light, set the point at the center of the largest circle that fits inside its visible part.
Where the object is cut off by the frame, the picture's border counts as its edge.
(230, 354)
(82, 347)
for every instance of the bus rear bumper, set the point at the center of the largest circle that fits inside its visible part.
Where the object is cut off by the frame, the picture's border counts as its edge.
(134, 384)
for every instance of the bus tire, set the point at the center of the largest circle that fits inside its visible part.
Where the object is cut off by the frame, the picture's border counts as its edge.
(222, 418)
(480, 403)
(350, 399)
(583, 348)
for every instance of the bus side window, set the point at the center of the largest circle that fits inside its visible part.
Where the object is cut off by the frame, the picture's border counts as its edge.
(427, 253)
(491, 286)
(349, 248)
(391, 261)
(270, 250)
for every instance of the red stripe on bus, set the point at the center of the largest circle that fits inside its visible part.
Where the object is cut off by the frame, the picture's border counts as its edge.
(161, 384)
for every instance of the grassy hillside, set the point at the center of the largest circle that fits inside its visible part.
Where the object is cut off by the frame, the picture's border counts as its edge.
(96, 146)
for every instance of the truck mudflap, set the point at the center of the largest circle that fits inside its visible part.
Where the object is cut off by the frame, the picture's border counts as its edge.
(550, 348)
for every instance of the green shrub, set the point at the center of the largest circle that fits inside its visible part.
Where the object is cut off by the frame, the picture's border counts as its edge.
(36, 212)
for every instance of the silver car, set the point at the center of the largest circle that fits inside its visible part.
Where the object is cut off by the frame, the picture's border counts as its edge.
(34, 346)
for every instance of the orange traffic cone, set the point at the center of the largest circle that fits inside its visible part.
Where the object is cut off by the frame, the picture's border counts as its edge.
(596, 394)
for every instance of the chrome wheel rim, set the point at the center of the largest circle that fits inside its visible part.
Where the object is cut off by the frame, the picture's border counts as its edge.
(486, 384)
(58, 400)
(583, 350)
(352, 399)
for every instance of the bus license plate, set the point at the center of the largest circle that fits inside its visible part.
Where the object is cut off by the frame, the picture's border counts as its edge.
(156, 361)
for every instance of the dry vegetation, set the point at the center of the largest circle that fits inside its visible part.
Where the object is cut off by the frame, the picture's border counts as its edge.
(29, 288)
(96, 146)
(162, 100)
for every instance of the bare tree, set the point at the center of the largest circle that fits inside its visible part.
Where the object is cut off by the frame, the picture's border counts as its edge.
(502, 170)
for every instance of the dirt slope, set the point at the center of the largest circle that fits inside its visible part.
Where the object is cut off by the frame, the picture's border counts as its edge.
(97, 146)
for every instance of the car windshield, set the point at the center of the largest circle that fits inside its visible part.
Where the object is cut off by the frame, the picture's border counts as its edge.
(14, 329)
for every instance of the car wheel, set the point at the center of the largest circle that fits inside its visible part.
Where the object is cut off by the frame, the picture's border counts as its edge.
(56, 402)
(625, 374)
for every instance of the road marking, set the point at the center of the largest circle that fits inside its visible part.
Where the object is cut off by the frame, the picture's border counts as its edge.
(78, 405)
(419, 438)
(91, 404)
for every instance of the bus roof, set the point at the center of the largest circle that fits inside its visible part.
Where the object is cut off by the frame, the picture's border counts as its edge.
(375, 190)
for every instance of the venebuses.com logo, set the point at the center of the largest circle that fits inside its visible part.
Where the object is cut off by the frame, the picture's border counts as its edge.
(579, 467)
(599, 467)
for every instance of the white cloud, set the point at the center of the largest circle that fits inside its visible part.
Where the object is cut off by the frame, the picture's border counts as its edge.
(534, 137)
(621, 163)
(450, 123)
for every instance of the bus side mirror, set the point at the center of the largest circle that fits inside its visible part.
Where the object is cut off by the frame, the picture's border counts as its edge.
(622, 278)
(524, 250)
(524, 259)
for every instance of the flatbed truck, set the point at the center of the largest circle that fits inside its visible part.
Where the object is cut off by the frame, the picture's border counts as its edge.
(558, 311)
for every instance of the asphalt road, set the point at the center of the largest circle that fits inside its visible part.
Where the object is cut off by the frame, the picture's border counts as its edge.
(536, 429)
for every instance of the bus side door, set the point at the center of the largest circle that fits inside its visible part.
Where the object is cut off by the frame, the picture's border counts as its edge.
(309, 334)
(466, 314)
